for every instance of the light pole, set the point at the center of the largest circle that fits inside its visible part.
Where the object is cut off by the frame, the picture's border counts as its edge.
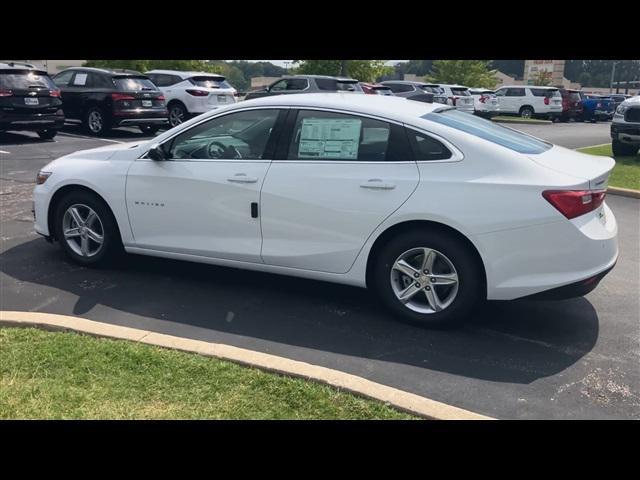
(286, 67)
(613, 73)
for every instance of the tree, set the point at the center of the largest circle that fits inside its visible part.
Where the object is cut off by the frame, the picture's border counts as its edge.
(363, 70)
(513, 68)
(145, 65)
(542, 78)
(472, 73)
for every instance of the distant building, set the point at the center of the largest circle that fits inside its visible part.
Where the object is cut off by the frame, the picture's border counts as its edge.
(54, 66)
(504, 79)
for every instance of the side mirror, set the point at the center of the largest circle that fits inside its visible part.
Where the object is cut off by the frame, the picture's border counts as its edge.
(157, 154)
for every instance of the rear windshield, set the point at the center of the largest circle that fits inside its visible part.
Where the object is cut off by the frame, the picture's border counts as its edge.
(432, 89)
(488, 130)
(461, 92)
(24, 80)
(134, 84)
(348, 86)
(574, 96)
(210, 82)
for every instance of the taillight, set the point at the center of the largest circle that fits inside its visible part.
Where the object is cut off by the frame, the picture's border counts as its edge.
(198, 93)
(546, 100)
(573, 203)
(483, 99)
(161, 97)
(453, 100)
(54, 93)
(121, 96)
(4, 92)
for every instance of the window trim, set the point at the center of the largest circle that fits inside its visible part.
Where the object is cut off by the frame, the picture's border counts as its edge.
(282, 149)
(456, 153)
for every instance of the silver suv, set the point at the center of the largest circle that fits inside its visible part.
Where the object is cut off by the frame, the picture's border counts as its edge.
(625, 127)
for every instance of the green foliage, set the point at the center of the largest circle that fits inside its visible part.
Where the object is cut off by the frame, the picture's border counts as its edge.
(542, 78)
(145, 65)
(363, 70)
(471, 73)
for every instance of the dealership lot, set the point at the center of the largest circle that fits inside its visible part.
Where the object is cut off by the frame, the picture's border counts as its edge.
(571, 359)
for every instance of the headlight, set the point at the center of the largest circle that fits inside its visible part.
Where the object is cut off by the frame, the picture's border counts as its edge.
(621, 109)
(42, 177)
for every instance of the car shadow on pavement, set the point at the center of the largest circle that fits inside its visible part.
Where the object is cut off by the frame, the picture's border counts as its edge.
(516, 342)
(124, 134)
(22, 138)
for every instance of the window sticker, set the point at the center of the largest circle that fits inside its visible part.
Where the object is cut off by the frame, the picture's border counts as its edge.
(81, 79)
(329, 138)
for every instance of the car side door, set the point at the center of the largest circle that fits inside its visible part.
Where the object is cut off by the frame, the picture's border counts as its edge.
(202, 200)
(69, 94)
(335, 178)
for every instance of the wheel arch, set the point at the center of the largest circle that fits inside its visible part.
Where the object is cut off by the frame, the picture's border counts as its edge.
(413, 225)
(61, 193)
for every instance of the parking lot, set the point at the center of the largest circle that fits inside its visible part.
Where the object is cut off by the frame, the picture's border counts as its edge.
(568, 359)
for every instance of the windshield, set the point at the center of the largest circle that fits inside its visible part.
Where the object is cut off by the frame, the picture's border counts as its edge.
(25, 80)
(134, 84)
(210, 82)
(488, 130)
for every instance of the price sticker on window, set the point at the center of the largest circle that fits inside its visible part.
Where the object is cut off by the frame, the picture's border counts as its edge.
(330, 138)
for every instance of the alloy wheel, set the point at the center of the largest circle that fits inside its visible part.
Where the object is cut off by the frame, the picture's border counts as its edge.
(83, 230)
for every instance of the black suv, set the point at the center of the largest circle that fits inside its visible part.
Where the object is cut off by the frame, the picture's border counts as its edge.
(102, 99)
(29, 100)
(307, 84)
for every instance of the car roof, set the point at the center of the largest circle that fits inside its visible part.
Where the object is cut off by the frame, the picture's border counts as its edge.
(109, 71)
(406, 82)
(530, 86)
(391, 107)
(18, 66)
(455, 85)
(186, 74)
(340, 79)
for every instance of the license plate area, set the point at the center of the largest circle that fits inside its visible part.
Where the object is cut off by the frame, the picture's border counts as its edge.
(222, 98)
(31, 101)
(147, 103)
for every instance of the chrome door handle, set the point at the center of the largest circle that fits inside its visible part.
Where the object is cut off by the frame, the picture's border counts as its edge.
(242, 178)
(378, 184)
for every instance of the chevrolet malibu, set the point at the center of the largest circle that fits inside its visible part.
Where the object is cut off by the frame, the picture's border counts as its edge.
(433, 209)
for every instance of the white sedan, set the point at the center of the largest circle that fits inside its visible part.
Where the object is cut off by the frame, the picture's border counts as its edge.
(432, 208)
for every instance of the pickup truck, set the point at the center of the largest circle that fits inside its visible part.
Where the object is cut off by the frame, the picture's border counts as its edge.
(625, 128)
(596, 107)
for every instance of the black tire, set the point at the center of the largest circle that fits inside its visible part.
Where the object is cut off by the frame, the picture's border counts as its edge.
(623, 149)
(48, 134)
(149, 129)
(112, 243)
(471, 286)
(527, 112)
(90, 121)
(177, 114)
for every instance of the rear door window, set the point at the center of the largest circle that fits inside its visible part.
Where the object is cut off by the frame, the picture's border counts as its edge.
(63, 78)
(515, 92)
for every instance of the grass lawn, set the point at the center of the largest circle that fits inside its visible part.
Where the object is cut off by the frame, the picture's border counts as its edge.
(514, 119)
(626, 173)
(56, 375)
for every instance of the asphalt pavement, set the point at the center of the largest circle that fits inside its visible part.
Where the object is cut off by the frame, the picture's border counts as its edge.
(523, 359)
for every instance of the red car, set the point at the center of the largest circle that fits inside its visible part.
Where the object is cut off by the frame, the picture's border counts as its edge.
(375, 89)
(571, 105)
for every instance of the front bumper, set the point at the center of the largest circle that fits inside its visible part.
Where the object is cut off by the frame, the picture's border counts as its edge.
(31, 121)
(626, 133)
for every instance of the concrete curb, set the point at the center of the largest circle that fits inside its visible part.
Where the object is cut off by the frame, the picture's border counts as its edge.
(623, 192)
(399, 399)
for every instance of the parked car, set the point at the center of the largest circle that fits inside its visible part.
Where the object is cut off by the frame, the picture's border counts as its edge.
(307, 84)
(571, 105)
(458, 96)
(596, 107)
(485, 102)
(625, 128)
(375, 89)
(29, 100)
(618, 98)
(418, 91)
(102, 99)
(530, 101)
(191, 93)
(432, 208)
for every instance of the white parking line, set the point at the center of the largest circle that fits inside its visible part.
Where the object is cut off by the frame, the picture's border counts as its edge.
(4, 151)
(65, 134)
(590, 146)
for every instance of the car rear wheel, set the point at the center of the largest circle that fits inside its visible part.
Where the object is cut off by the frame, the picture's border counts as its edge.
(47, 134)
(428, 278)
(177, 114)
(526, 112)
(86, 229)
(623, 149)
(95, 121)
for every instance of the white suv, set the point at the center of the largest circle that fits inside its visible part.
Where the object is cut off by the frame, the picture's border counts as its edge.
(485, 103)
(191, 93)
(530, 101)
(457, 96)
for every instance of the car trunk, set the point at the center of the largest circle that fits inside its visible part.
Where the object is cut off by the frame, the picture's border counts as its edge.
(137, 93)
(594, 170)
(28, 92)
(462, 98)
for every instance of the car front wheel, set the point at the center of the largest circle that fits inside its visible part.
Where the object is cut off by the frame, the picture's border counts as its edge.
(429, 278)
(86, 229)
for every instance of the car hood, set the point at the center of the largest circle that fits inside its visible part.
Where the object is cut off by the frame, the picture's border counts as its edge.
(593, 168)
(106, 152)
